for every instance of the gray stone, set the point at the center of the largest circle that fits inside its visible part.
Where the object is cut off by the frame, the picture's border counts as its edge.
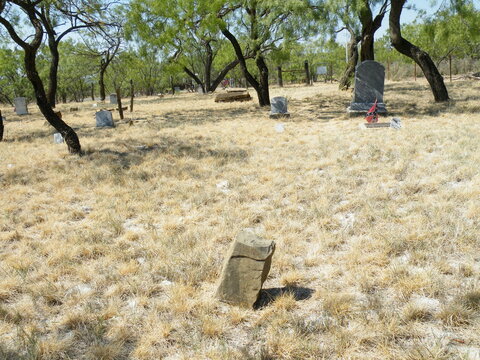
(199, 89)
(321, 70)
(396, 123)
(279, 107)
(245, 269)
(113, 99)
(369, 86)
(104, 119)
(21, 106)
(57, 138)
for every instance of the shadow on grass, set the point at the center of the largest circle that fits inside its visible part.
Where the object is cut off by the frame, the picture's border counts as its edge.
(135, 153)
(268, 296)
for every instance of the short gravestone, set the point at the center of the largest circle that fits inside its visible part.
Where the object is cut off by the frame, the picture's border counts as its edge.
(369, 86)
(104, 119)
(177, 89)
(20, 106)
(113, 99)
(57, 138)
(245, 269)
(279, 107)
(199, 89)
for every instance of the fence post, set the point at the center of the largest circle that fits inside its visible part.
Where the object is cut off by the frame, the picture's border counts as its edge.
(307, 73)
(280, 79)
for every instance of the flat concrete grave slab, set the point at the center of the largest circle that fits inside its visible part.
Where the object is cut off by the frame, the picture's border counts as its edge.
(21, 106)
(395, 123)
(104, 119)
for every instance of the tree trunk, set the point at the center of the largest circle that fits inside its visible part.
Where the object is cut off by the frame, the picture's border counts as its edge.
(208, 67)
(93, 92)
(369, 27)
(132, 95)
(346, 79)
(101, 83)
(53, 73)
(119, 102)
(69, 135)
(406, 48)
(1, 126)
(279, 75)
(262, 93)
(222, 74)
(307, 73)
(195, 78)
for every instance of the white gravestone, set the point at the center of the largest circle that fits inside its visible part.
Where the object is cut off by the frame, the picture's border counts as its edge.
(279, 107)
(104, 119)
(57, 138)
(21, 106)
(113, 99)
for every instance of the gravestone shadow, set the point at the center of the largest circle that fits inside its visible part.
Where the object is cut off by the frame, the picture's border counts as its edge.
(268, 296)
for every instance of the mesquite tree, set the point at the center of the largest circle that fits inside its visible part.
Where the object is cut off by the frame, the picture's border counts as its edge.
(30, 46)
(370, 25)
(61, 18)
(185, 32)
(264, 26)
(422, 58)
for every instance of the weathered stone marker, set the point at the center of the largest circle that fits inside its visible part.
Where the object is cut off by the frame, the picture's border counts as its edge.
(245, 269)
(369, 86)
(279, 107)
(20, 106)
(104, 119)
(113, 99)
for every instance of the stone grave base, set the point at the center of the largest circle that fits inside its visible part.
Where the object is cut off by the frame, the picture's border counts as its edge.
(375, 125)
(359, 109)
(279, 116)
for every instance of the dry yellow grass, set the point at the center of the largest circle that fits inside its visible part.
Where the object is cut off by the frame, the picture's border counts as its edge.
(115, 255)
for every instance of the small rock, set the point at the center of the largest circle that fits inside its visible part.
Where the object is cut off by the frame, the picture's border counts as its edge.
(279, 128)
(224, 186)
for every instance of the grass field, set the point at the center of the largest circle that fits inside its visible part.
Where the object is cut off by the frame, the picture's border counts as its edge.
(116, 254)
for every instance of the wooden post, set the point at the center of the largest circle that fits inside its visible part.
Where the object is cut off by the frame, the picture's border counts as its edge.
(1, 126)
(132, 95)
(171, 84)
(450, 66)
(388, 69)
(307, 73)
(93, 92)
(415, 71)
(331, 73)
(119, 102)
(280, 78)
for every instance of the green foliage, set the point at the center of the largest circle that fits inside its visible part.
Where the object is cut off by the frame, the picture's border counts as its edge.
(13, 82)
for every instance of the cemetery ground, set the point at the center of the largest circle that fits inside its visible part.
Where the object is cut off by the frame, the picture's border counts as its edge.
(116, 254)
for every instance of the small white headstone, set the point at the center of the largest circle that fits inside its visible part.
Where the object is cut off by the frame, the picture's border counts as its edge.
(199, 89)
(57, 138)
(21, 106)
(396, 123)
(104, 119)
(113, 99)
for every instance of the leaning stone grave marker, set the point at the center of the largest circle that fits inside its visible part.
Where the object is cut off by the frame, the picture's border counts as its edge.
(245, 269)
(279, 107)
(21, 106)
(369, 86)
(104, 119)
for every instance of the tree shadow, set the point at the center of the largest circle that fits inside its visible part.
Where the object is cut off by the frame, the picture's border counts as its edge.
(268, 296)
